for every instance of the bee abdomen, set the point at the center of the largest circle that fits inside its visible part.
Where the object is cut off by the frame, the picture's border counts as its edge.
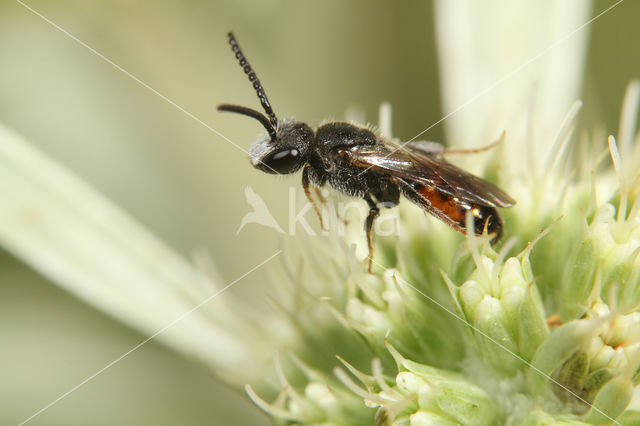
(454, 211)
(487, 217)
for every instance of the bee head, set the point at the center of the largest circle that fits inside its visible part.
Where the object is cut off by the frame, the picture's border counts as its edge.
(287, 153)
(283, 149)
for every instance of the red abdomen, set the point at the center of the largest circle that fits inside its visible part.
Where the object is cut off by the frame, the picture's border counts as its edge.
(453, 211)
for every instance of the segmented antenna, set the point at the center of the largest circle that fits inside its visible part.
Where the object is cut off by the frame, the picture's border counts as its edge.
(253, 78)
(253, 114)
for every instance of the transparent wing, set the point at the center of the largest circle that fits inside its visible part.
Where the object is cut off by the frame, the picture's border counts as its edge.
(414, 164)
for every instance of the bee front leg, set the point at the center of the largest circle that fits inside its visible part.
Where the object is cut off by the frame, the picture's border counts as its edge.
(323, 203)
(306, 182)
(374, 211)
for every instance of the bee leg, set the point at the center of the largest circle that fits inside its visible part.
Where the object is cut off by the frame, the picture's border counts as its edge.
(305, 185)
(492, 145)
(368, 227)
(323, 202)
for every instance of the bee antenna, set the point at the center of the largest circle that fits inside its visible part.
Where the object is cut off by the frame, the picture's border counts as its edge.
(251, 113)
(254, 79)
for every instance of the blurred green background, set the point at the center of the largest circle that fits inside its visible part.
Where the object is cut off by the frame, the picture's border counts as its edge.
(316, 60)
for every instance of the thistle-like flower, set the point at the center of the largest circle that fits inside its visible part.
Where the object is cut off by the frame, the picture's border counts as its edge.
(541, 329)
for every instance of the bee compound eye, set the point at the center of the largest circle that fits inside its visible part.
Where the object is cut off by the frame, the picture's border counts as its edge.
(283, 161)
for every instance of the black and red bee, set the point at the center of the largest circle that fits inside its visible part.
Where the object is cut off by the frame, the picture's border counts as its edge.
(360, 163)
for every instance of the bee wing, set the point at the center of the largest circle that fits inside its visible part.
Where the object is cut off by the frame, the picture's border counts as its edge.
(417, 165)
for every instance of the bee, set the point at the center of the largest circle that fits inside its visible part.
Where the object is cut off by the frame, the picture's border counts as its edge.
(361, 163)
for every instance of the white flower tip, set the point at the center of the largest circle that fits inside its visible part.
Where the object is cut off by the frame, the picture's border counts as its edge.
(361, 376)
(279, 370)
(617, 165)
(384, 119)
(527, 251)
(562, 139)
(615, 153)
(399, 359)
(628, 116)
(353, 387)
(268, 408)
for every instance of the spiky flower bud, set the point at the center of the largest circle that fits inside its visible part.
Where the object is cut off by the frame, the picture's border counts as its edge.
(504, 311)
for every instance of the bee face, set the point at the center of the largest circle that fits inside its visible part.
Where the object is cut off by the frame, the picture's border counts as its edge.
(287, 153)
